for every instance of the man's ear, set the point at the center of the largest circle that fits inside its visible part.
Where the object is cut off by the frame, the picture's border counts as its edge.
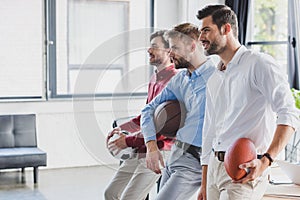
(193, 46)
(225, 29)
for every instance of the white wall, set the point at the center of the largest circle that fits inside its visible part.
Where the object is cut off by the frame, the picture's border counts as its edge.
(71, 143)
(171, 12)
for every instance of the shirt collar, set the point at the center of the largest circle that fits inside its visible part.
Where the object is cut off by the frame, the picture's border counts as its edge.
(201, 70)
(235, 59)
(237, 56)
(163, 74)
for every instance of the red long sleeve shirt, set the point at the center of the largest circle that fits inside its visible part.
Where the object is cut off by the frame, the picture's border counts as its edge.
(157, 82)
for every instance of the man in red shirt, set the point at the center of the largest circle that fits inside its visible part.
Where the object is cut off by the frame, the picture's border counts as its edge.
(134, 180)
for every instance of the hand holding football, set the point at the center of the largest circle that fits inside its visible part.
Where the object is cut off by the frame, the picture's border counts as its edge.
(241, 151)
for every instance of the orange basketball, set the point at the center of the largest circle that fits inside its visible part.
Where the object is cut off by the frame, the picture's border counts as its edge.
(241, 151)
(169, 117)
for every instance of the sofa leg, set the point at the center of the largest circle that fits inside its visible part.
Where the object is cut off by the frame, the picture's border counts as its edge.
(35, 174)
(23, 180)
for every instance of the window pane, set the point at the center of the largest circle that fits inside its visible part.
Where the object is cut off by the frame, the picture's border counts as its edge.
(99, 27)
(21, 54)
(91, 23)
(268, 28)
(269, 20)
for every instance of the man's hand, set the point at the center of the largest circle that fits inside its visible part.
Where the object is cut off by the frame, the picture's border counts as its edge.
(281, 137)
(118, 144)
(154, 157)
(202, 192)
(256, 168)
(116, 130)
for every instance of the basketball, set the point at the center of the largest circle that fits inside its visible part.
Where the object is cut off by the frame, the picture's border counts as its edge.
(169, 117)
(124, 154)
(241, 151)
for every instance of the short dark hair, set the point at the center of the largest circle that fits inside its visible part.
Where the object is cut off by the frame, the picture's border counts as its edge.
(184, 29)
(221, 14)
(160, 33)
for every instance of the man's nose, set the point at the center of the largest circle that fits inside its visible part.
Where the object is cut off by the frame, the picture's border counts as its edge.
(201, 36)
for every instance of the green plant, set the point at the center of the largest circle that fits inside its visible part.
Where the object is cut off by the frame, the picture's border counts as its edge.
(296, 95)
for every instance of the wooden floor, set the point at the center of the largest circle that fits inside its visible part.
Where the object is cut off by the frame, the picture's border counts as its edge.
(89, 183)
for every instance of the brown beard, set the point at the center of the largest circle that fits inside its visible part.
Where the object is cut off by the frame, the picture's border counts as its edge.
(181, 63)
(213, 49)
(156, 62)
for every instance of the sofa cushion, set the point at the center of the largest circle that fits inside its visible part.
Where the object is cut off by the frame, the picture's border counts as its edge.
(17, 131)
(22, 157)
(24, 130)
(7, 138)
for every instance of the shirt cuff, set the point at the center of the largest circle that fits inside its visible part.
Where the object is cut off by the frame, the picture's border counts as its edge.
(292, 121)
(134, 141)
(129, 141)
(147, 139)
(205, 159)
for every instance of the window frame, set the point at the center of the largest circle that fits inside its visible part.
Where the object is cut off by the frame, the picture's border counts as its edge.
(42, 96)
(51, 58)
(250, 43)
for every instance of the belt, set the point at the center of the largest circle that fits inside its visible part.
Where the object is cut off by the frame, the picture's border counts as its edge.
(221, 155)
(194, 150)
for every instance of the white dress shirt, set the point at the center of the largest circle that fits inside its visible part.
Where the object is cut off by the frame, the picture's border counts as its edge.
(247, 100)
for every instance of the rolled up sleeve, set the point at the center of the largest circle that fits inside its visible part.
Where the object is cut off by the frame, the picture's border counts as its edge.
(277, 90)
(147, 123)
(208, 133)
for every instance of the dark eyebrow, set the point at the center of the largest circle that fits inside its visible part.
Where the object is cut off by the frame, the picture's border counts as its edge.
(204, 28)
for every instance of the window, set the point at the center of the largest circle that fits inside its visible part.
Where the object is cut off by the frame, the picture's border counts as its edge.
(22, 49)
(268, 30)
(58, 48)
(95, 50)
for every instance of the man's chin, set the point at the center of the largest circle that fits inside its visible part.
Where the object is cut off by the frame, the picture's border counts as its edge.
(179, 66)
(206, 53)
(155, 63)
(152, 61)
(209, 52)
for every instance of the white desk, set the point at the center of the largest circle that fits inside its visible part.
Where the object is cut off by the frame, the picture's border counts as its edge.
(281, 191)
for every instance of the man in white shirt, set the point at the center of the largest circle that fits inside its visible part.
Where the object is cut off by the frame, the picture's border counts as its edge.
(243, 98)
